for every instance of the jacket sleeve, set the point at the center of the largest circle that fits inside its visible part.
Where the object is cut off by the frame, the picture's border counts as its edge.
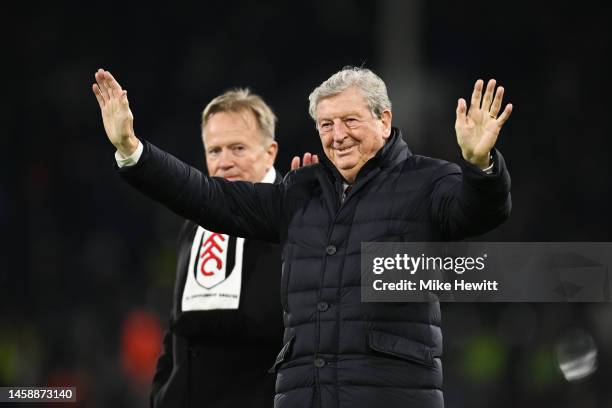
(165, 364)
(466, 202)
(244, 209)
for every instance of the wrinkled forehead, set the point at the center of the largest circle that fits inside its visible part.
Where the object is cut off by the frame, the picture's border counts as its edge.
(346, 103)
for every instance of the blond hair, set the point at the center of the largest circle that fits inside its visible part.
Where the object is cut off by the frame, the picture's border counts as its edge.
(239, 100)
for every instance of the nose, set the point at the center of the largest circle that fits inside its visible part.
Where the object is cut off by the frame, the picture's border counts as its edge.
(339, 132)
(225, 160)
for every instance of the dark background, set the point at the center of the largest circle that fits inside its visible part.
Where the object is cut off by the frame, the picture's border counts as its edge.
(87, 263)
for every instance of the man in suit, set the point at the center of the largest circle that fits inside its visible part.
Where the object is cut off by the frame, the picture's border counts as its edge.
(226, 311)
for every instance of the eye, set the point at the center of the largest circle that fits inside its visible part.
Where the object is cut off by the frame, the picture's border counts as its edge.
(238, 149)
(351, 122)
(213, 152)
(325, 126)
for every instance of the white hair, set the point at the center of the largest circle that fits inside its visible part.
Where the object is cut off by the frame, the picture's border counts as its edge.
(370, 85)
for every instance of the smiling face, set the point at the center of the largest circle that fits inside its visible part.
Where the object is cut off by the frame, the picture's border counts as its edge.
(350, 134)
(235, 147)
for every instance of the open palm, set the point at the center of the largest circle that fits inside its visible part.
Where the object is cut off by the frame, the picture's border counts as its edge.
(478, 128)
(116, 114)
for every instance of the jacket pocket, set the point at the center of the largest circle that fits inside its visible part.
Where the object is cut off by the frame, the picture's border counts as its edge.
(401, 347)
(282, 355)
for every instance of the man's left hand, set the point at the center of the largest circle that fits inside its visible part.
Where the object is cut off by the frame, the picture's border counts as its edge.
(308, 160)
(478, 128)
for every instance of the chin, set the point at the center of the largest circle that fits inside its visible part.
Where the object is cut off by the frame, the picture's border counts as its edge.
(345, 164)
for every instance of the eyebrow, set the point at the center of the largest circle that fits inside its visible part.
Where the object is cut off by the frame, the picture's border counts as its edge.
(342, 116)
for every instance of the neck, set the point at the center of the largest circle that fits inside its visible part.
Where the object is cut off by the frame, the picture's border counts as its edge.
(349, 175)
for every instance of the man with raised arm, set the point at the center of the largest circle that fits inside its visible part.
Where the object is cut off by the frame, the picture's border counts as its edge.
(226, 311)
(339, 352)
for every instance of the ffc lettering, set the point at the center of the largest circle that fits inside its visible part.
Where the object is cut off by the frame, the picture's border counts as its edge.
(209, 255)
(215, 272)
(215, 258)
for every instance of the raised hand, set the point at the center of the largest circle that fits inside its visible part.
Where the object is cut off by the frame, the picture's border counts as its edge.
(116, 114)
(308, 160)
(478, 128)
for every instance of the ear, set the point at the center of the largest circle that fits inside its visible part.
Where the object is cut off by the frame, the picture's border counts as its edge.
(205, 158)
(271, 152)
(385, 117)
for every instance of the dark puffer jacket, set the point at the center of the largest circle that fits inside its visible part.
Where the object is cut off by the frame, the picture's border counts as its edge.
(340, 352)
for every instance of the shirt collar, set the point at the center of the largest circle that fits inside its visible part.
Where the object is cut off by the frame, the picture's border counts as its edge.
(270, 176)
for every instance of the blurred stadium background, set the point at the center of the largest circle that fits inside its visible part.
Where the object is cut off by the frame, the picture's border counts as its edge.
(88, 264)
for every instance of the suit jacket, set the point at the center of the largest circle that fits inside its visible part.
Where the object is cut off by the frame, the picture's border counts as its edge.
(204, 345)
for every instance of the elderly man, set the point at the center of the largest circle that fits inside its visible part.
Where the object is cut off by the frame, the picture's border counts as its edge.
(226, 311)
(340, 352)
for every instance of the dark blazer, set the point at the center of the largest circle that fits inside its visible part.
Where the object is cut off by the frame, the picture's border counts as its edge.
(338, 351)
(220, 358)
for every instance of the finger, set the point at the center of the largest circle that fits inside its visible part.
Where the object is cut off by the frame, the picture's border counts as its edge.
(476, 94)
(96, 91)
(497, 101)
(100, 81)
(295, 163)
(114, 91)
(315, 159)
(307, 159)
(112, 79)
(124, 98)
(106, 83)
(505, 114)
(461, 111)
(488, 96)
(114, 85)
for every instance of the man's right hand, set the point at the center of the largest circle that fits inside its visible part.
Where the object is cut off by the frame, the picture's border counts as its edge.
(116, 114)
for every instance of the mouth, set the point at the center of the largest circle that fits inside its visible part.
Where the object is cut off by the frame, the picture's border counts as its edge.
(230, 177)
(342, 151)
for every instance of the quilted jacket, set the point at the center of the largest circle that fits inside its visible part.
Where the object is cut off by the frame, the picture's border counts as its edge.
(339, 352)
